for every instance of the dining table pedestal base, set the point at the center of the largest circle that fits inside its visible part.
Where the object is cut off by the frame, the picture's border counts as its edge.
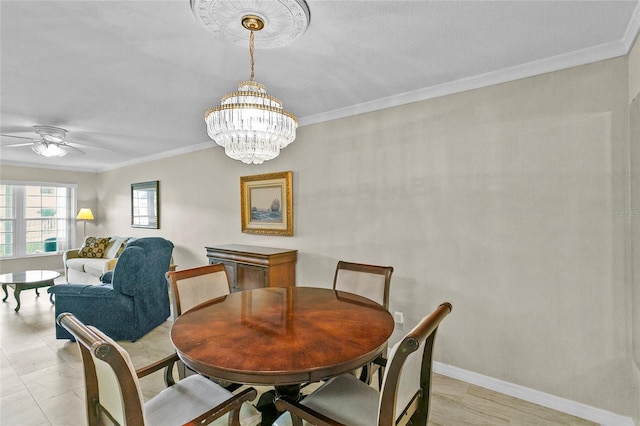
(291, 392)
(266, 402)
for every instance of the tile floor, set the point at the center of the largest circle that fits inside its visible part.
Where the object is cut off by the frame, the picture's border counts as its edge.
(41, 379)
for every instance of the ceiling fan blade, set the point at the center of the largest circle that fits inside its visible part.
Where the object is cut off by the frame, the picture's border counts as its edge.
(71, 149)
(17, 137)
(84, 145)
(18, 144)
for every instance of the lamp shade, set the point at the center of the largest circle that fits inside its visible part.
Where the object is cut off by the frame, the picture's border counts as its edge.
(85, 214)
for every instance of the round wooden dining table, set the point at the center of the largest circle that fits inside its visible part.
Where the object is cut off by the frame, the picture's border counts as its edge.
(281, 337)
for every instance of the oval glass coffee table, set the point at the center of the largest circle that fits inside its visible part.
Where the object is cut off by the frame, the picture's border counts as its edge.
(27, 280)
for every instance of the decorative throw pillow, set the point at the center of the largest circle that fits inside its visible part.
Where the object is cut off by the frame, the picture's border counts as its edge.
(94, 247)
(114, 245)
(122, 247)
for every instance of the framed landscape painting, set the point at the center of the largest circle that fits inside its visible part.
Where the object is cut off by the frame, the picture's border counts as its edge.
(266, 204)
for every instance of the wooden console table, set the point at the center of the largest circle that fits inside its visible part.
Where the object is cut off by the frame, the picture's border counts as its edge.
(251, 267)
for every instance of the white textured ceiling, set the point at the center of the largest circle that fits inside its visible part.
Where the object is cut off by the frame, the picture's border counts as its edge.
(131, 80)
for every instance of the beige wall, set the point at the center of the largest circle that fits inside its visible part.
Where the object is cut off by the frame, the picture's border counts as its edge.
(86, 196)
(502, 200)
(634, 121)
(634, 75)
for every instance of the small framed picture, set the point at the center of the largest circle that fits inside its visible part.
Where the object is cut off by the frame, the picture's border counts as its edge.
(266, 204)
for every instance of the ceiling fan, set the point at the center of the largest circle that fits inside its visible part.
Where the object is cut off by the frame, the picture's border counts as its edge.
(50, 143)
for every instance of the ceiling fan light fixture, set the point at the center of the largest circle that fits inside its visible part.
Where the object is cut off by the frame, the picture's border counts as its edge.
(48, 149)
(51, 133)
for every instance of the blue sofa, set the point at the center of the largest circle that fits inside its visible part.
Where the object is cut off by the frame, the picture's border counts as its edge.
(133, 303)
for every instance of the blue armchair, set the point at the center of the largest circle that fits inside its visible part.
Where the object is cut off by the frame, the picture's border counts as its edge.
(133, 303)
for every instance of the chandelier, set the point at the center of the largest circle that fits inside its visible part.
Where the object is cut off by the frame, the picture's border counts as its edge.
(250, 124)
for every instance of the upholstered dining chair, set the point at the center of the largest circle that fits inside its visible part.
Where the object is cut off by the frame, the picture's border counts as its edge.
(114, 395)
(372, 282)
(404, 398)
(190, 287)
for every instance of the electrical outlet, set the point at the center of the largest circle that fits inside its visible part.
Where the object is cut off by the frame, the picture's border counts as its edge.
(398, 318)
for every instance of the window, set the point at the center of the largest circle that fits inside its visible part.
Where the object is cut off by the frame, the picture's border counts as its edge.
(35, 218)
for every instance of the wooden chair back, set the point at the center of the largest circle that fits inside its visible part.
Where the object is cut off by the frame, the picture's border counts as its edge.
(406, 387)
(113, 392)
(190, 287)
(370, 281)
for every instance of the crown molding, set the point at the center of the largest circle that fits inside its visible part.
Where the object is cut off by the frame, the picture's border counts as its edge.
(633, 29)
(141, 160)
(530, 69)
(161, 155)
(47, 166)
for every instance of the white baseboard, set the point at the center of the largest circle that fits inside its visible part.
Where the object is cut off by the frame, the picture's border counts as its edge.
(577, 409)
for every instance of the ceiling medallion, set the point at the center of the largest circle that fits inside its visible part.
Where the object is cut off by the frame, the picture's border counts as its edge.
(284, 20)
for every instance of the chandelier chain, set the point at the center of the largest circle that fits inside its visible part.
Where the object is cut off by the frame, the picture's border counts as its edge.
(251, 51)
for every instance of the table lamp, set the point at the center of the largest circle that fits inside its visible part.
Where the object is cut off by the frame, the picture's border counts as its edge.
(85, 215)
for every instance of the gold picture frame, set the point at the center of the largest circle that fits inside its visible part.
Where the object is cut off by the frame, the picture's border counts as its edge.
(266, 204)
